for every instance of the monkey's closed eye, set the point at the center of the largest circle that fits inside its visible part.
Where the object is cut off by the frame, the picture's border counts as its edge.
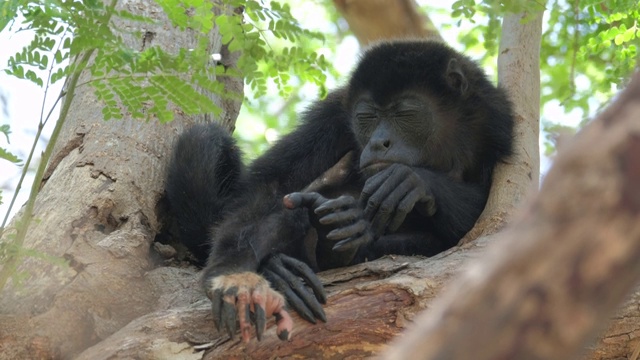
(406, 113)
(366, 116)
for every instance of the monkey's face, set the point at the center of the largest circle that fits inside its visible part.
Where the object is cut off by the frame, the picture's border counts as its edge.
(397, 131)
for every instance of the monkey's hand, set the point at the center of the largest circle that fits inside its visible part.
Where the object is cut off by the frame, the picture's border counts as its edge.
(388, 196)
(342, 216)
(289, 276)
(247, 297)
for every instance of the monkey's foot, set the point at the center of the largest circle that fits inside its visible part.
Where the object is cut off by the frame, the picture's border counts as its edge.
(247, 297)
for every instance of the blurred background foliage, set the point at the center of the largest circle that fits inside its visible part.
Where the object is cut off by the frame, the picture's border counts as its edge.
(589, 49)
(295, 51)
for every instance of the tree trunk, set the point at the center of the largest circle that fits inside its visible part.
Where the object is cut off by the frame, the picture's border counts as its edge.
(99, 208)
(519, 73)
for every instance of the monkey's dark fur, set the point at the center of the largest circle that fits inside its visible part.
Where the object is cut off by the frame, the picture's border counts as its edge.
(418, 116)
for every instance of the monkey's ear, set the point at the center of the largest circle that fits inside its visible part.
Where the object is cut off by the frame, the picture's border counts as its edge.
(455, 77)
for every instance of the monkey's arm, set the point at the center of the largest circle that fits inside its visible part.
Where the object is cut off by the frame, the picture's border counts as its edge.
(241, 244)
(260, 226)
(289, 275)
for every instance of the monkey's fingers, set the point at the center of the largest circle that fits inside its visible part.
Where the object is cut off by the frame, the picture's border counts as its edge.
(346, 232)
(296, 293)
(404, 207)
(243, 308)
(284, 325)
(427, 205)
(341, 217)
(275, 306)
(376, 205)
(228, 313)
(241, 298)
(259, 316)
(354, 243)
(371, 187)
(304, 271)
(391, 205)
(292, 297)
(330, 206)
(300, 199)
(216, 307)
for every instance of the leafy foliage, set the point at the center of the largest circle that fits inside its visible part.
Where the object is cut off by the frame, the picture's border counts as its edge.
(592, 40)
(597, 43)
(259, 60)
(269, 112)
(589, 49)
(491, 12)
(146, 83)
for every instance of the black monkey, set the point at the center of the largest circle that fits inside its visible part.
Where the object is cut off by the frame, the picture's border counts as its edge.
(398, 161)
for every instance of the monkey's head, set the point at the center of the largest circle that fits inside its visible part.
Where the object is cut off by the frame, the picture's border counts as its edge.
(423, 104)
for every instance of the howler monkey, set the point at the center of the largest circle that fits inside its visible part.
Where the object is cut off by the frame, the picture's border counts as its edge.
(397, 161)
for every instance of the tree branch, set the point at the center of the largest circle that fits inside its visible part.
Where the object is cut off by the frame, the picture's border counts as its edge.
(560, 270)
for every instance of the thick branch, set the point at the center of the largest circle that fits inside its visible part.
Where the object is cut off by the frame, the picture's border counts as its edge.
(373, 20)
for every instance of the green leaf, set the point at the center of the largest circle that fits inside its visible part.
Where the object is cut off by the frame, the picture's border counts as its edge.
(6, 130)
(8, 12)
(6, 155)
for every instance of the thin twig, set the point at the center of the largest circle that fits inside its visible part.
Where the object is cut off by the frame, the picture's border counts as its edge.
(43, 122)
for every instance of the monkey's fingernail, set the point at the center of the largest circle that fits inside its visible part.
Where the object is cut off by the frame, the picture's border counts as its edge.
(260, 321)
(284, 335)
(288, 203)
(342, 245)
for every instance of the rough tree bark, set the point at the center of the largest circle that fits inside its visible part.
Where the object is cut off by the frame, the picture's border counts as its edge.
(99, 208)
